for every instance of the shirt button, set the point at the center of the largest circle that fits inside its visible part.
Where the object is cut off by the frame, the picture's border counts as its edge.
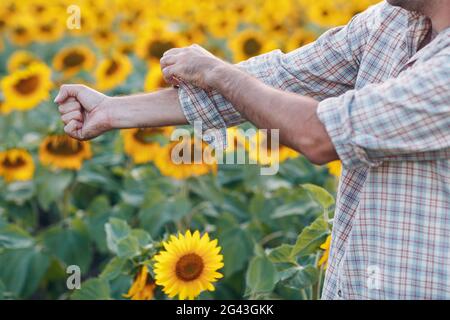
(340, 293)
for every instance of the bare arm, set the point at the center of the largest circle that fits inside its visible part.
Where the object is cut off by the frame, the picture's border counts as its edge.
(266, 107)
(161, 108)
(87, 113)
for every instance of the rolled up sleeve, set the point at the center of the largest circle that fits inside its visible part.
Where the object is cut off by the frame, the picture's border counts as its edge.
(403, 119)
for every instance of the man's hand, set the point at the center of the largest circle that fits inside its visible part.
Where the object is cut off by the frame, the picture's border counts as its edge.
(83, 111)
(193, 65)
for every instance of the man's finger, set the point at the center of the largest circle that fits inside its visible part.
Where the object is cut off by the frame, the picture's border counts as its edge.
(74, 115)
(172, 51)
(170, 74)
(69, 106)
(68, 90)
(168, 60)
(73, 129)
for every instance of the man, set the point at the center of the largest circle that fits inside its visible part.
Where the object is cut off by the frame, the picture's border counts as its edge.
(374, 94)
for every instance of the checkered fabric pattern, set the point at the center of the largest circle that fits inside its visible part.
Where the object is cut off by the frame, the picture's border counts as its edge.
(386, 107)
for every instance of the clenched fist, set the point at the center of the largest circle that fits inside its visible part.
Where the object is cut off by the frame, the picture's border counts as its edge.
(83, 111)
(192, 64)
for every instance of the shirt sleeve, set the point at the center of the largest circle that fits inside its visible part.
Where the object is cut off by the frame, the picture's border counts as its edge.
(326, 68)
(403, 119)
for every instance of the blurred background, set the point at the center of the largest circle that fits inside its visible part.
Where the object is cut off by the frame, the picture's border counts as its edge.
(57, 194)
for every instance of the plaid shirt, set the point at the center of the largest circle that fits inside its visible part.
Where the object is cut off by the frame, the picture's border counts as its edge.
(386, 107)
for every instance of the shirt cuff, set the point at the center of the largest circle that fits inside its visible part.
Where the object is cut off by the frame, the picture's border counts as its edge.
(201, 112)
(335, 115)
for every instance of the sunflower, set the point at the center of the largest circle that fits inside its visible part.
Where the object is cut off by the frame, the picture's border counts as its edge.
(104, 37)
(263, 151)
(154, 79)
(328, 13)
(300, 38)
(143, 286)
(195, 34)
(113, 71)
(21, 30)
(188, 265)
(326, 247)
(71, 60)
(50, 28)
(24, 89)
(16, 165)
(223, 24)
(20, 59)
(125, 47)
(142, 145)
(131, 20)
(61, 151)
(151, 46)
(335, 168)
(250, 43)
(177, 168)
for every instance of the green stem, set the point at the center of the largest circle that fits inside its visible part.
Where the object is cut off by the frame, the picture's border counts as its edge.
(318, 295)
(304, 294)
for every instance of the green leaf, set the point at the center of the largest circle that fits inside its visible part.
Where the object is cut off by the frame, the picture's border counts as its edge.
(19, 192)
(311, 237)
(116, 230)
(261, 275)
(302, 277)
(113, 269)
(51, 186)
(294, 209)
(70, 245)
(236, 248)
(14, 237)
(2, 290)
(281, 254)
(322, 196)
(128, 247)
(21, 270)
(159, 209)
(142, 236)
(93, 289)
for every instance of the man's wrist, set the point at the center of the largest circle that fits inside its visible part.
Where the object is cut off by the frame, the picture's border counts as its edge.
(111, 109)
(222, 74)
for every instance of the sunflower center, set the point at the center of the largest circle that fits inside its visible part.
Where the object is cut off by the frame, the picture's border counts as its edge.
(146, 136)
(64, 147)
(13, 164)
(20, 31)
(27, 85)
(47, 28)
(157, 48)
(103, 34)
(189, 267)
(112, 68)
(252, 47)
(73, 59)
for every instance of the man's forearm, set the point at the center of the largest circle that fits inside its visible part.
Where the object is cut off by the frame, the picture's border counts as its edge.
(155, 109)
(266, 107)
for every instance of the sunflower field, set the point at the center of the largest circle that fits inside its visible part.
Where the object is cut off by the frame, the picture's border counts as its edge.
(136, 225)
